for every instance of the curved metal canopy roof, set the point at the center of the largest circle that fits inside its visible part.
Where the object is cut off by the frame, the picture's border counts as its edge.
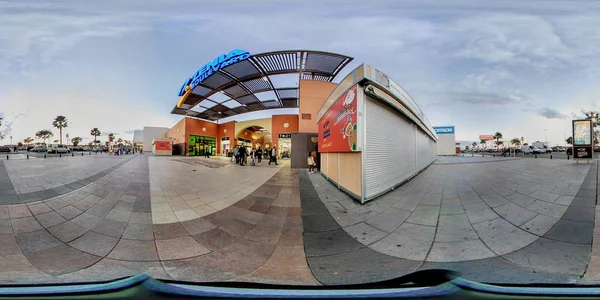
(240, 82)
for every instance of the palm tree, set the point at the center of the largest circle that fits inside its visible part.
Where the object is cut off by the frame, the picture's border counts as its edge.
(516, 142)
(60, 122)
(76, 140)
(497, 136)
(27, 141)
(95, 132)
(44, 134)
(55, 141)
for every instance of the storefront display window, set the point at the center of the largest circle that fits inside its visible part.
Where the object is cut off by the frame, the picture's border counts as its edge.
(199, 145)
(285, 145)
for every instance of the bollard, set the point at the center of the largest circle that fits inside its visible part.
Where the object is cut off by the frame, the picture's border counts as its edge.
(550, 156)
(90, 153)
(60, 155)
(536, 156)
(72, 154)
(567, 157)
(44, 155)
(493, 155)
(6, 156)
(81, 153)
(27, 156)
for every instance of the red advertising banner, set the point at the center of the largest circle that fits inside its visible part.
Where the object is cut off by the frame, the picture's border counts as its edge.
(337, 128)
(162, 145)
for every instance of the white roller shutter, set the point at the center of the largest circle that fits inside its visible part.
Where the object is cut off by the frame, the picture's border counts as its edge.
(389, 148)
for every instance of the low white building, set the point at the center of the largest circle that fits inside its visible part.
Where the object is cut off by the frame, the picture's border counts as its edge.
(447, 140)
(152, 133)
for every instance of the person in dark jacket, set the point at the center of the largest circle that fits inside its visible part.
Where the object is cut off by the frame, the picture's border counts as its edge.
(259, 155)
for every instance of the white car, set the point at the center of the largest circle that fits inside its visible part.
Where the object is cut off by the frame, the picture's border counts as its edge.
(58, 148)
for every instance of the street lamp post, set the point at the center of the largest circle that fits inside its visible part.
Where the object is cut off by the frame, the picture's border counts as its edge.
(10, 139)
(545, 136)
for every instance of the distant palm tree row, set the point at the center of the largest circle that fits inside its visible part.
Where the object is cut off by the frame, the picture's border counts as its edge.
(61, 122)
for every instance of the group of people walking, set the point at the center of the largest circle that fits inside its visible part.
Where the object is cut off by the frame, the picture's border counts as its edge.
(242, 154)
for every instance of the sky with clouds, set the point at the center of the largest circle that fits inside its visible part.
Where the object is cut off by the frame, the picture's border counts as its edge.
(484, 66)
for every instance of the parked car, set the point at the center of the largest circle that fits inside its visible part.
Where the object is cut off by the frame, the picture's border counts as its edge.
(5, 149)
(58, 148)
(87, 148)
(40, 149)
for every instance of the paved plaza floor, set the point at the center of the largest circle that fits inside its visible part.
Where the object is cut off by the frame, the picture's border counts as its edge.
(100, 217)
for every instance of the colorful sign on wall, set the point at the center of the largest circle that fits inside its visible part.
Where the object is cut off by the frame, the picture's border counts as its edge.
(582, 139)
(163, 145)
(337, 128)
(486, 137)
(444, 129)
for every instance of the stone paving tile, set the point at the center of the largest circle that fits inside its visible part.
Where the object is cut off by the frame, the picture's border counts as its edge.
(4, 213)
(94, 243)
(86, 220)
(140, 218)
(547, 208)
(496, 232)
(134, 250)
(494, 200)
(20, 211)
(572, 232)
(246, 251)
(179, 248)
(23, 225)
(164, 217)
(424, 215)
(110, 228)
(389, 220)
(36, 241)
(39, 208)
(61, 260)
(520, 199)
(479, 212)
(408, 241)
(211, 267)
(350, 267)
(291, 237)
(169, 231)
(552, 256)
(69, 212)
(539, 225)
(5, 226)
(451, 207)
(119, 215)
(17, 269)
(67, 231)
(515, 214)
(454, 228)
(8, 245)
(139, 232)
(365, 234)
(459, 251)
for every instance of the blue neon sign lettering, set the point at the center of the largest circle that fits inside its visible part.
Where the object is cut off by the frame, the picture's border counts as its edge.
(234, 56)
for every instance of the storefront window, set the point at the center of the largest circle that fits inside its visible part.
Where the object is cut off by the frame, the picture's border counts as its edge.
(199, 145)
(284, 145)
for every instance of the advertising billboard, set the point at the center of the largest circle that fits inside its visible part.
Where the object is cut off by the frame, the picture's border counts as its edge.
(337, 128)
(582, 139)
(486, 137)
(163, 145)
(444, 129)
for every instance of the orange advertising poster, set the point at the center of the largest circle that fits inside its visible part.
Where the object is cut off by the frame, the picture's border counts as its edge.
(162, 145)
(337, 128)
